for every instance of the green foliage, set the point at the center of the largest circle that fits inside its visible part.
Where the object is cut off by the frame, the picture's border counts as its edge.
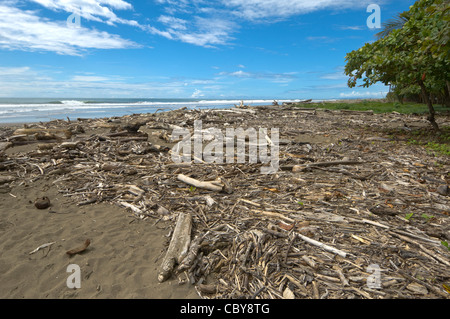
(427, 217)
(377, 107)
(443, 149)
(412, 58)
(408, 216)
(445, 244)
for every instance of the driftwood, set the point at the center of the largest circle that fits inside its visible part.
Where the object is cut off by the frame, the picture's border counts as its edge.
(178, 247)
(6, 179)
(44, 132)
(4, 146)
(299, 168)
(41, 247)
(199, 184)
(322, 245)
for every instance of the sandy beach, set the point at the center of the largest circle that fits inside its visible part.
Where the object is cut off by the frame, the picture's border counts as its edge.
(121, 261)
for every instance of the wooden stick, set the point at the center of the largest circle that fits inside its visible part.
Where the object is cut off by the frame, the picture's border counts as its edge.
(299, 168)
(322, 245)
(274, 215)
(199, 184)
(132, 207)
(41, 247)
(178, 247)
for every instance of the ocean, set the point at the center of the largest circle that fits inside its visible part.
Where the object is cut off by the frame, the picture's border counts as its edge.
(27, 110)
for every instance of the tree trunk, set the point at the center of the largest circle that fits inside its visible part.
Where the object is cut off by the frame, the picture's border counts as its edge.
(431, 116)
(447, 94)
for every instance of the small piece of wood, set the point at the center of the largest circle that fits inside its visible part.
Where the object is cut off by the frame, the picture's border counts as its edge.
(299, 168)
(322, 245)
(41, 247)
(199, 184)
(178, 247)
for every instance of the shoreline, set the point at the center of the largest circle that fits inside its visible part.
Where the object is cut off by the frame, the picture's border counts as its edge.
(118, 111)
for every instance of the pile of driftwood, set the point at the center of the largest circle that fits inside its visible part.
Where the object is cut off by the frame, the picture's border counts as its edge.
(351, 212)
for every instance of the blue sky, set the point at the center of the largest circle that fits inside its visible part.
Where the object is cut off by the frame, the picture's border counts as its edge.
(249, 49)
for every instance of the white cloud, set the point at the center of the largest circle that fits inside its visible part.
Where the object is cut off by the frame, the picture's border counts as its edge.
(364, 94)
(95, 10)
(86, 78)
(173, 23)
(338, 75)
(352, 27)
(212, 23)
(273, 77)
(24, 30)
(206, 32)
(262, 9)
(24, 81)
(197, 93)
(8, 71)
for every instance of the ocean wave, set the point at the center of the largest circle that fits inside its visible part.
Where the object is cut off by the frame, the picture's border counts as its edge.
(52, 109)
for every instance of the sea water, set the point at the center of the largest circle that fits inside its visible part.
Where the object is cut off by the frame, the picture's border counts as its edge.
(26, 110)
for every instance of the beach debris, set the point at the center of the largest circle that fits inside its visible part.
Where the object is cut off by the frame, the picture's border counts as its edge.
(79, 249)
(41, 247)
(443, 190)
(321, 230)
(42, 202)
(44, 134)
(4, 146)
(178, 248)
(212, 186)
(6, 179)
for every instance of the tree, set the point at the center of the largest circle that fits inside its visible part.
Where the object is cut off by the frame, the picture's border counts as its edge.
(415, 56)
(393, 24)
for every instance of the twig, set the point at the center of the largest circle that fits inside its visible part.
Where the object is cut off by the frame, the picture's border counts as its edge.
(322, 245)
(41, 247)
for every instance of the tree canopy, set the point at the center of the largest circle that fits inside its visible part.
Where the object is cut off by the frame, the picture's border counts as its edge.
(414, 57)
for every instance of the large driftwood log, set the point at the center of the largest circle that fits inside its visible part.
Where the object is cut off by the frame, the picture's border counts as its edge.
(199, 184)
(178, 247)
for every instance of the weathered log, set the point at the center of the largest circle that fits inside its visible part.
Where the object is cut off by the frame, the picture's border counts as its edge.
(178, 247)
(43, 132)
(199, 184)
